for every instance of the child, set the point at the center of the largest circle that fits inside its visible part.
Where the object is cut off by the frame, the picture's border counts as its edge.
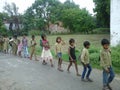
(72, 56)
(5, 45)
(106, 63)
(86, 62)
(15, 45)
(58, 47)
(25, 46)
(33, 48)
(10, 45)
(46, 54)
(19, 50)
(1, 43)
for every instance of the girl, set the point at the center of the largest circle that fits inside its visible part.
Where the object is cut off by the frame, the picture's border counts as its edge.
(58, 48)
(19, 50)
(46, 54)
(72, 56)
(33, 48)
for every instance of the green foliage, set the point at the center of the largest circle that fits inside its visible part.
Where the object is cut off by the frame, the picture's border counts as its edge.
(34, 32)
(78, 20)
(102, 10)
(3, 30)
(101, 31)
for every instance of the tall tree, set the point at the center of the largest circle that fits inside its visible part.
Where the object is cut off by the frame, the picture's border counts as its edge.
(102, 10)
(12, 11)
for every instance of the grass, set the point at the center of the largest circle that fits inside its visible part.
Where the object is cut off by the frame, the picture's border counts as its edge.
(79, 39)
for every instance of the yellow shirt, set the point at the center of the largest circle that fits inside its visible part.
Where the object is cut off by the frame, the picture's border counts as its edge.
(33, 43)
(85, 56)
(105, 58)
(58, 47)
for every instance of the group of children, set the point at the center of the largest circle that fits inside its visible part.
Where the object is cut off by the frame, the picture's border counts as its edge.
(16, 46)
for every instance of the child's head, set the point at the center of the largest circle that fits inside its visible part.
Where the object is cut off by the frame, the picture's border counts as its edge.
(86, 44)
(24, 35)
(72, 42)
(10, 38)
(43, 36)
(105, 43)
(33, 37)
(15, 36)
(58, 39)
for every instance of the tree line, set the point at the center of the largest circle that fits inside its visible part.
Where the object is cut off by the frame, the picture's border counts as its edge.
(43, 12)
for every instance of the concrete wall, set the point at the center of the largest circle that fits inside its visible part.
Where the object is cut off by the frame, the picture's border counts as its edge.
(115, 22)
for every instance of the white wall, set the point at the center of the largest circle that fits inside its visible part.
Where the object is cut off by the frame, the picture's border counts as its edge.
(115, 22)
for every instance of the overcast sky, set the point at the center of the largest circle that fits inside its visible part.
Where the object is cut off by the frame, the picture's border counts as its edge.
(24, 4)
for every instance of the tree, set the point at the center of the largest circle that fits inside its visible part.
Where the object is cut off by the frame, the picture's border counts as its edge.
(78, 20)
(102, 10)
(12, 11)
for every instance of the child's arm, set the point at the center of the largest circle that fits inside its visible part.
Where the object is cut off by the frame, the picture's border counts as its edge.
(69, 54)
(63, 43)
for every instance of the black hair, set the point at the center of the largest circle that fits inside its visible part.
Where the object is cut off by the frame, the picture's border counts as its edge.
(86, 43)
(105, 41)
(10, 38)
(33, 36)
(58, 38)
(15, 36)
(71, 41)
(42, 36)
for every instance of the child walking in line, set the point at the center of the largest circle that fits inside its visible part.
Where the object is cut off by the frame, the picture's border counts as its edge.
(25, 46)
(58, 48)
(46, 54)
(106, 63)
(85, 60)
(20, 47)
(10, 45)
(72, 56)
(33, 48)
(5, 45)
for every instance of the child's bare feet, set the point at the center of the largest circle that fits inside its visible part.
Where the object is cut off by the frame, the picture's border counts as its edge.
(52, 65)
(60, 69)
(36, 60)
(68, 71)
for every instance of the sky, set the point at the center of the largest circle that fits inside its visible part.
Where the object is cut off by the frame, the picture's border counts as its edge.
(24, 4)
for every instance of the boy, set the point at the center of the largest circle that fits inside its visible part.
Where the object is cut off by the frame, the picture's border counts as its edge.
(86, 62)
(33, 48)
(105, 61)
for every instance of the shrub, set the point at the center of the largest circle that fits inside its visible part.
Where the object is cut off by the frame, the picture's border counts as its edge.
(3, 30)
(101, 31)
(34, 32)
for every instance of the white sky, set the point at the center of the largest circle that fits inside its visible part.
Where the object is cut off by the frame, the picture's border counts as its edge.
(24, 4)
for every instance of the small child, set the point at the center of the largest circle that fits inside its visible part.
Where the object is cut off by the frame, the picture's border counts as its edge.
(25, 46)
(46, 54)
(106, 63)
(5, 45)
(33, 48)
(58, 48)
(19, 50)
(10, 45)
(85, 60)
(72, 56)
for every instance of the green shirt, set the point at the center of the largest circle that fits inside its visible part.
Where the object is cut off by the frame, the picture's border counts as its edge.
(105, 58)
(85, 56)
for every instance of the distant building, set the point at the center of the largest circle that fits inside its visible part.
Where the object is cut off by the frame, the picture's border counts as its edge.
(14, 26)
(57, 28)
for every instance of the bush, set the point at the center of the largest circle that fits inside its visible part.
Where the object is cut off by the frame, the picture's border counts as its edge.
(3, 30)
(101, 31)
(34, 32)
